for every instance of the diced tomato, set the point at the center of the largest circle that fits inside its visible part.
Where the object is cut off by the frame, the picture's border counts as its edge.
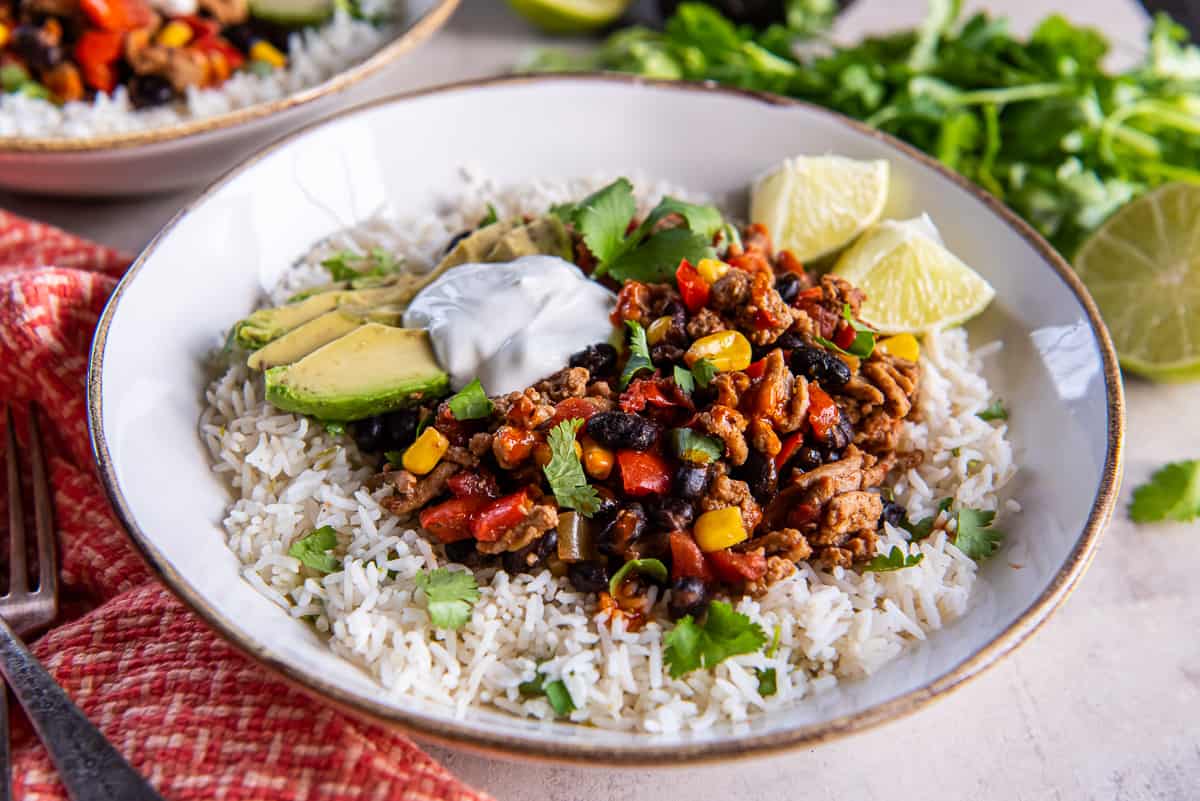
(687, 560)
(571, 408)
(822, 412)
(645, 391)
(763, 320)
(692, 287)
(788, 449)
(802, 514)
(756, 369)
(786, 260)
(812, 293)
(468, 484)
(733, 566)
(118, 15)
(513, 445)
(216, 44)
(491, 521)
(201, 27)
(451, 521)
(844, 336)
(644, 473)
(632, 302)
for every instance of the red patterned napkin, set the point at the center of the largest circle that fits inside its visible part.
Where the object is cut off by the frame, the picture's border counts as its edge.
(196, 717)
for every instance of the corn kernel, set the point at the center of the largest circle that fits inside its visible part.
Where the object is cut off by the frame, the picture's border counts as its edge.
(542, 453)
(263, 50)
(597, 459)
(424, 454)
(657, 331)
(175, 33)
(5, 32)
(726, 350)
(711, 269)
(903, 346)
(720, 529)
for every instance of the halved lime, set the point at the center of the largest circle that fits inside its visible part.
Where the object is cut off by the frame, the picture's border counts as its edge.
(814, 205)
(1143, 268)
(913, 283)
(570, 16)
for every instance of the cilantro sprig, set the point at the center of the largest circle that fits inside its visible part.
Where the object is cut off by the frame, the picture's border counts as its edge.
(564, 471)
(1172, 493)
(639, 353)
(895, 559)
(724, 633)
(994, 411)
(556, 693)
(449, 596)
(974, 535)
(864, 337)
(313, 550)
(470, 403)
(346, 265)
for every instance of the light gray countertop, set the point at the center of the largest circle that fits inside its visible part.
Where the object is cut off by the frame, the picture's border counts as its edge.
(1103, 703)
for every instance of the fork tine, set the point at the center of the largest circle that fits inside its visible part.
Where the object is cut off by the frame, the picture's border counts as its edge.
(43, 512)
(18, 580)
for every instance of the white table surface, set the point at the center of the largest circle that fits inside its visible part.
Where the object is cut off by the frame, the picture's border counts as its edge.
(1103, 703)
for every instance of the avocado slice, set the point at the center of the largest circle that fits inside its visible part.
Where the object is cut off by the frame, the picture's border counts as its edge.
(304, 339)
(475, 246)
(267, 325)
(545, 235)
(371, 370)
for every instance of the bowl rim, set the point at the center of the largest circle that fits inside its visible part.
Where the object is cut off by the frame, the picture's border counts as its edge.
(460, 734)
(423, 28)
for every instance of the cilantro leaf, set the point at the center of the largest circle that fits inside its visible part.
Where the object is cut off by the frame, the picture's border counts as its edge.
(1172, 493)
(470, 403)
(346, 265)
(896, 559)
(394, 458)
(449, 596)
(774, 646)
(924, 527)
(994, 411)
(639, 353)
(556, 693)
(564, 471)
(723, 634)
(684, 379)
(974, 535)
(602, 219)
(692, 446)
(704, 372)
(490, 217)
(657, 259)
(705, 221)
(335, 428)
(767, 684)
(864, 337)
(646, 567)
(312, 550)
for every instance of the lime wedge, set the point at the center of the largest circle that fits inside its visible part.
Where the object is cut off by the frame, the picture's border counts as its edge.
(814, 205)
(570, 16)
(913, 283)
(1143, 269)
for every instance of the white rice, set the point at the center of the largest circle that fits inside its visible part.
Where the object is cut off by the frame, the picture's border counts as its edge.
(289, 476)
(315, 55)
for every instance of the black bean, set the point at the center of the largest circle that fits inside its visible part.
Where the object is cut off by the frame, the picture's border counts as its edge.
(691, 480)
(369, 434)
(400, 428)
(146, 91)
(839, 436)
(788, 286)
(672, 514)
(665, 356)
(760, 475)
(809, 458)
(607, 509)
(533, 556)
(600, 359)
(241, 36)
(893, 513)
(623, 430)
(689, 596)
(790, 340)
(31, 44)
(627, 525)
(464, 552)
(818, 364)
(588, 576)
(674, 309)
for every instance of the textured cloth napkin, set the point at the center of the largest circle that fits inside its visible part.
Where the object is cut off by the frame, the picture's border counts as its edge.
(195, 716)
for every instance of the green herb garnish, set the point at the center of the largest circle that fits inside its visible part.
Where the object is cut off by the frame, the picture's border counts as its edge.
(1172, 493)
(684, 379)
(489, 218)
(766, 681)
(923, 528)
(346, 265)
(724, 633)
(449, 596)
(564, 471)
(470, 403)
(555, 691)
(312, 550)
(974, 535)
(639, 353)
(652, 568)
(895, 559)
(864, 337)
(704, 372)
(692, 446)
(394, 458)
(994, 411)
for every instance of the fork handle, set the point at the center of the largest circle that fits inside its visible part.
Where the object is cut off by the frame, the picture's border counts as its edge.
(88, 765)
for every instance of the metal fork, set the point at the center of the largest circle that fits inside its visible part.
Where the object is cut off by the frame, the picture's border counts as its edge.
(88, 765)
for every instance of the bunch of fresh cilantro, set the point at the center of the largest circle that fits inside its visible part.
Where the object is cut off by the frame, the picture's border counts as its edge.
(1038, 122)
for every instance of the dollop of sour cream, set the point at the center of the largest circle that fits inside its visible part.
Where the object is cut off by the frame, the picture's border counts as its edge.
(175, 8)
(511, 324)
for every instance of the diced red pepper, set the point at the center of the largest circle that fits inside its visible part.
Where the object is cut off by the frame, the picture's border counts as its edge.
(216, 44)
(572, 408)
(822, 412)
(512, 445)
(764, 320)
(786, 260)
(692, 287)
(788, 449)
(451, 521)
(118, 15)
(468, 484)
(844, 336)
(756, 369)
(687, 560)
(733, 566)
(645, 391)
(491, 521)
(97, 52)
(644, 473)
(201, 27)
(812, 293)
(802, 514)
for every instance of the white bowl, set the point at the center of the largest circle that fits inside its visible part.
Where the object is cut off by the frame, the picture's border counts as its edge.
(195, 151)
(1057, 372)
